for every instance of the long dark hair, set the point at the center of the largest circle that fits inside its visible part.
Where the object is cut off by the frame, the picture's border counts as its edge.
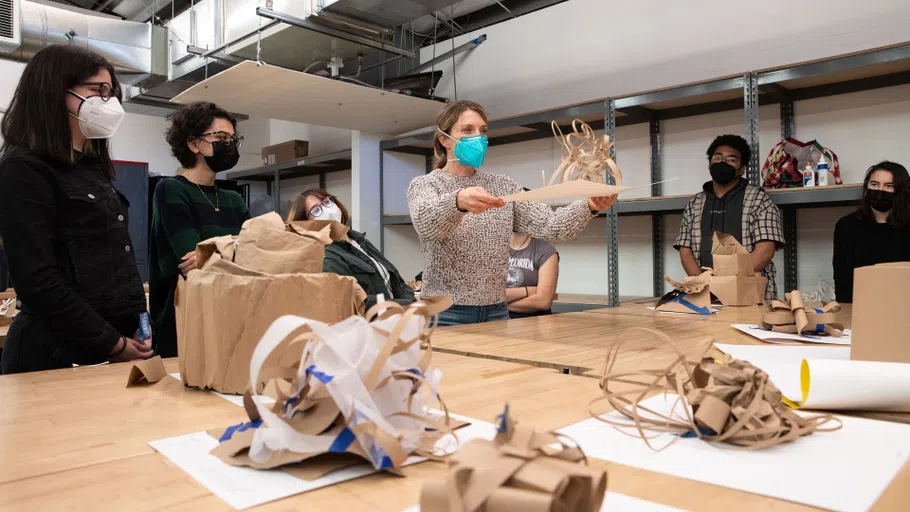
(900, 214)
(37, 118)
(299, 210)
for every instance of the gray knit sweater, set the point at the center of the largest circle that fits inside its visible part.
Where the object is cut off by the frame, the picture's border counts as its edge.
(467, 256)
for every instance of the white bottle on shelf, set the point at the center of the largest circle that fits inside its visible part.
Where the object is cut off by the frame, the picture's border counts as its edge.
(822, 170)
(808, 175)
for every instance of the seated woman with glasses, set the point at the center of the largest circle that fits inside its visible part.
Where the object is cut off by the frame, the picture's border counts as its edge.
(354, 255)
(190, 207)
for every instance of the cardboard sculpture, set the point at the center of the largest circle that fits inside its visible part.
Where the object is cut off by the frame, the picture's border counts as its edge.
(693, 295)
(729, 402)
(881, 325)
(352, 392)
(520, 469)
(582, 172)
(792, 316)
(244, 282)
(146, 371)
(734, 282)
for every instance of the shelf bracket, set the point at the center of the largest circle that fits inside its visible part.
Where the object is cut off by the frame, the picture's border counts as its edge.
(657, 231)
(791, 281)
(612, 214)
(750, 96)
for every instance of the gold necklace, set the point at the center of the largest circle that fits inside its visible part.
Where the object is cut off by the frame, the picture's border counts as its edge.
(215, 206)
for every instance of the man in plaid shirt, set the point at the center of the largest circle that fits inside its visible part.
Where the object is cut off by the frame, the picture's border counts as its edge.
(730, 205)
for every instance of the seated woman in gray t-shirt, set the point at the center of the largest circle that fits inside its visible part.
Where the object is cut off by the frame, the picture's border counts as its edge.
(533, 272)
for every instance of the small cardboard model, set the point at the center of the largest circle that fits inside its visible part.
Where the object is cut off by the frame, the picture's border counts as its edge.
(881, 323)
(693, 296)
(792, 316)
(734, 282)
(147, 371)
(520, 469)
(245, 282)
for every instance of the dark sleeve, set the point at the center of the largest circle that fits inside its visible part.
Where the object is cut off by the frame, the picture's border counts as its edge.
(542, 253)
(28, 223)
(843, 261)
(178, 224)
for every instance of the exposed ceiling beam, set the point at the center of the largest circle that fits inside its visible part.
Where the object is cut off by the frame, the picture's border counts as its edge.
(497, 12)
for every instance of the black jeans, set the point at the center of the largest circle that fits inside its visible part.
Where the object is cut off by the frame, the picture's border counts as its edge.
(31, 346)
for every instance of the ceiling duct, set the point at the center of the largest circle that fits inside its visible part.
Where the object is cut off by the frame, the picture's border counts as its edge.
(138, 51)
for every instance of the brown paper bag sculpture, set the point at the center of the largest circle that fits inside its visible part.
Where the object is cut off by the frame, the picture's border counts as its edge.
(353, 392)
(693, 295)
(729, 402)
(520, 469)
(793, 317)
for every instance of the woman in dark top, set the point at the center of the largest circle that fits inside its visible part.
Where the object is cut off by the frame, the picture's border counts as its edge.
(190, 208)
(353, 256)
(64, 225)
(878, 231)
(533, 273)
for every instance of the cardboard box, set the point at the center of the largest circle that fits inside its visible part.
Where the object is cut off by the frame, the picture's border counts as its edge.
(739, 290)
(730, 258)
(285, 152)
(881, 325)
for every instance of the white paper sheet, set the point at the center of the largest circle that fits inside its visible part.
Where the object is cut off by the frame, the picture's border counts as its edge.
(246, 487)
(842, 470)
(780, 337)
(615, 502)
(234, 399)
(782, 362)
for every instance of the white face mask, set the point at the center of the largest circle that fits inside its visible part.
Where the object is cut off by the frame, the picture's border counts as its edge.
(330, 213)
(99, 119)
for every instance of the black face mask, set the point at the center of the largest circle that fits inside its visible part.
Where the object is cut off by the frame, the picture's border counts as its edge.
(224, 156)
(880, 200)
(722, 172)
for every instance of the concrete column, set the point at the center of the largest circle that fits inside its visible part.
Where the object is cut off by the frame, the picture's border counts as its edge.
(365, 185)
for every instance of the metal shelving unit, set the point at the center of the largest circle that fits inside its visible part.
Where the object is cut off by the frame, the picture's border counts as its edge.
(859, 72)
(308, 166)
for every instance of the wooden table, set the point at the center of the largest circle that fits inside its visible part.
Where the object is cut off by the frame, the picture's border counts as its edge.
(77, 438)
(727, 315)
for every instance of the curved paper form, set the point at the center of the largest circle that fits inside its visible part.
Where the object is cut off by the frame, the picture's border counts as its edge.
(833, 384)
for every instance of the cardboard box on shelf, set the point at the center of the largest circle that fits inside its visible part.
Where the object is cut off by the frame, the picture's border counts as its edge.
(881, 325)
(285, 152)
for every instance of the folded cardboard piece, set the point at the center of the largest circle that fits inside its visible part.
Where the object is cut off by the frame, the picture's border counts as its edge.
(242, 284)
(792, 316)
(734, 282)
(520, 469)
(728, 401)
(357, 391)
(881, 325)
(146, 371)
(693, 295)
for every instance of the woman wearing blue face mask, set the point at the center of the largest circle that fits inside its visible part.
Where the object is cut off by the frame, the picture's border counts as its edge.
(464, 227)
(64, 225)
(352, 254)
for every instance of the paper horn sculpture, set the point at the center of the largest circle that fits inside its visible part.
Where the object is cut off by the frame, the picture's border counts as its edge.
(357, 387)
(720, 402)
(794, 317)
(583, 170)
(520, 469)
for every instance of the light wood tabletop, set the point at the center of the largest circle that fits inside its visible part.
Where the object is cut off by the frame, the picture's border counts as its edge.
(726, 315)
(76, 439)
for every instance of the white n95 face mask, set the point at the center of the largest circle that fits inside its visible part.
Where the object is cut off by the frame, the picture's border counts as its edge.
(330, 213)
(99, 119)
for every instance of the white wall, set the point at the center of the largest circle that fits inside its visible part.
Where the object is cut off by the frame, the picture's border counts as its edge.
(585, 50)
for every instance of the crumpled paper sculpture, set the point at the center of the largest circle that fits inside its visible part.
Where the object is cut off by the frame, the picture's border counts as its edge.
(520, 469)
(588, 156)
(729, 402)
(358, 387)
(693, 295)
(792, 316)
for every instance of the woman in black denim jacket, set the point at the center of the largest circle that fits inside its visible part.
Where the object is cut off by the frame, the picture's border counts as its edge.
(63, 224)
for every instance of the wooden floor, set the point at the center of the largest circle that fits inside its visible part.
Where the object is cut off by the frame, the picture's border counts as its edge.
(77, 439)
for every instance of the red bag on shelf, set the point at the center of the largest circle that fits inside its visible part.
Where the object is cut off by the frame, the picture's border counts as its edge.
(784, 165)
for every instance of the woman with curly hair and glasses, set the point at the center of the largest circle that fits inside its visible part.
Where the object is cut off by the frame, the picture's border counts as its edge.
(354, 255)
(190, 207)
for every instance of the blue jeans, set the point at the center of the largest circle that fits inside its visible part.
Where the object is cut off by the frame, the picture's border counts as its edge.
(459, 315)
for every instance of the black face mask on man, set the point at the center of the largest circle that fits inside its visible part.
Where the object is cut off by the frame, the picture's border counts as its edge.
(722, 172)
(880, 200)
(225, 155)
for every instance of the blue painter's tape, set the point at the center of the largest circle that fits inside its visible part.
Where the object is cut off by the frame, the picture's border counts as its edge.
(705, 431)
(323, 377)
(242, 427)
(502, 421)
(701, 310)
(417, 372)
(342, 442)
(386, 463)
(820, 328)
